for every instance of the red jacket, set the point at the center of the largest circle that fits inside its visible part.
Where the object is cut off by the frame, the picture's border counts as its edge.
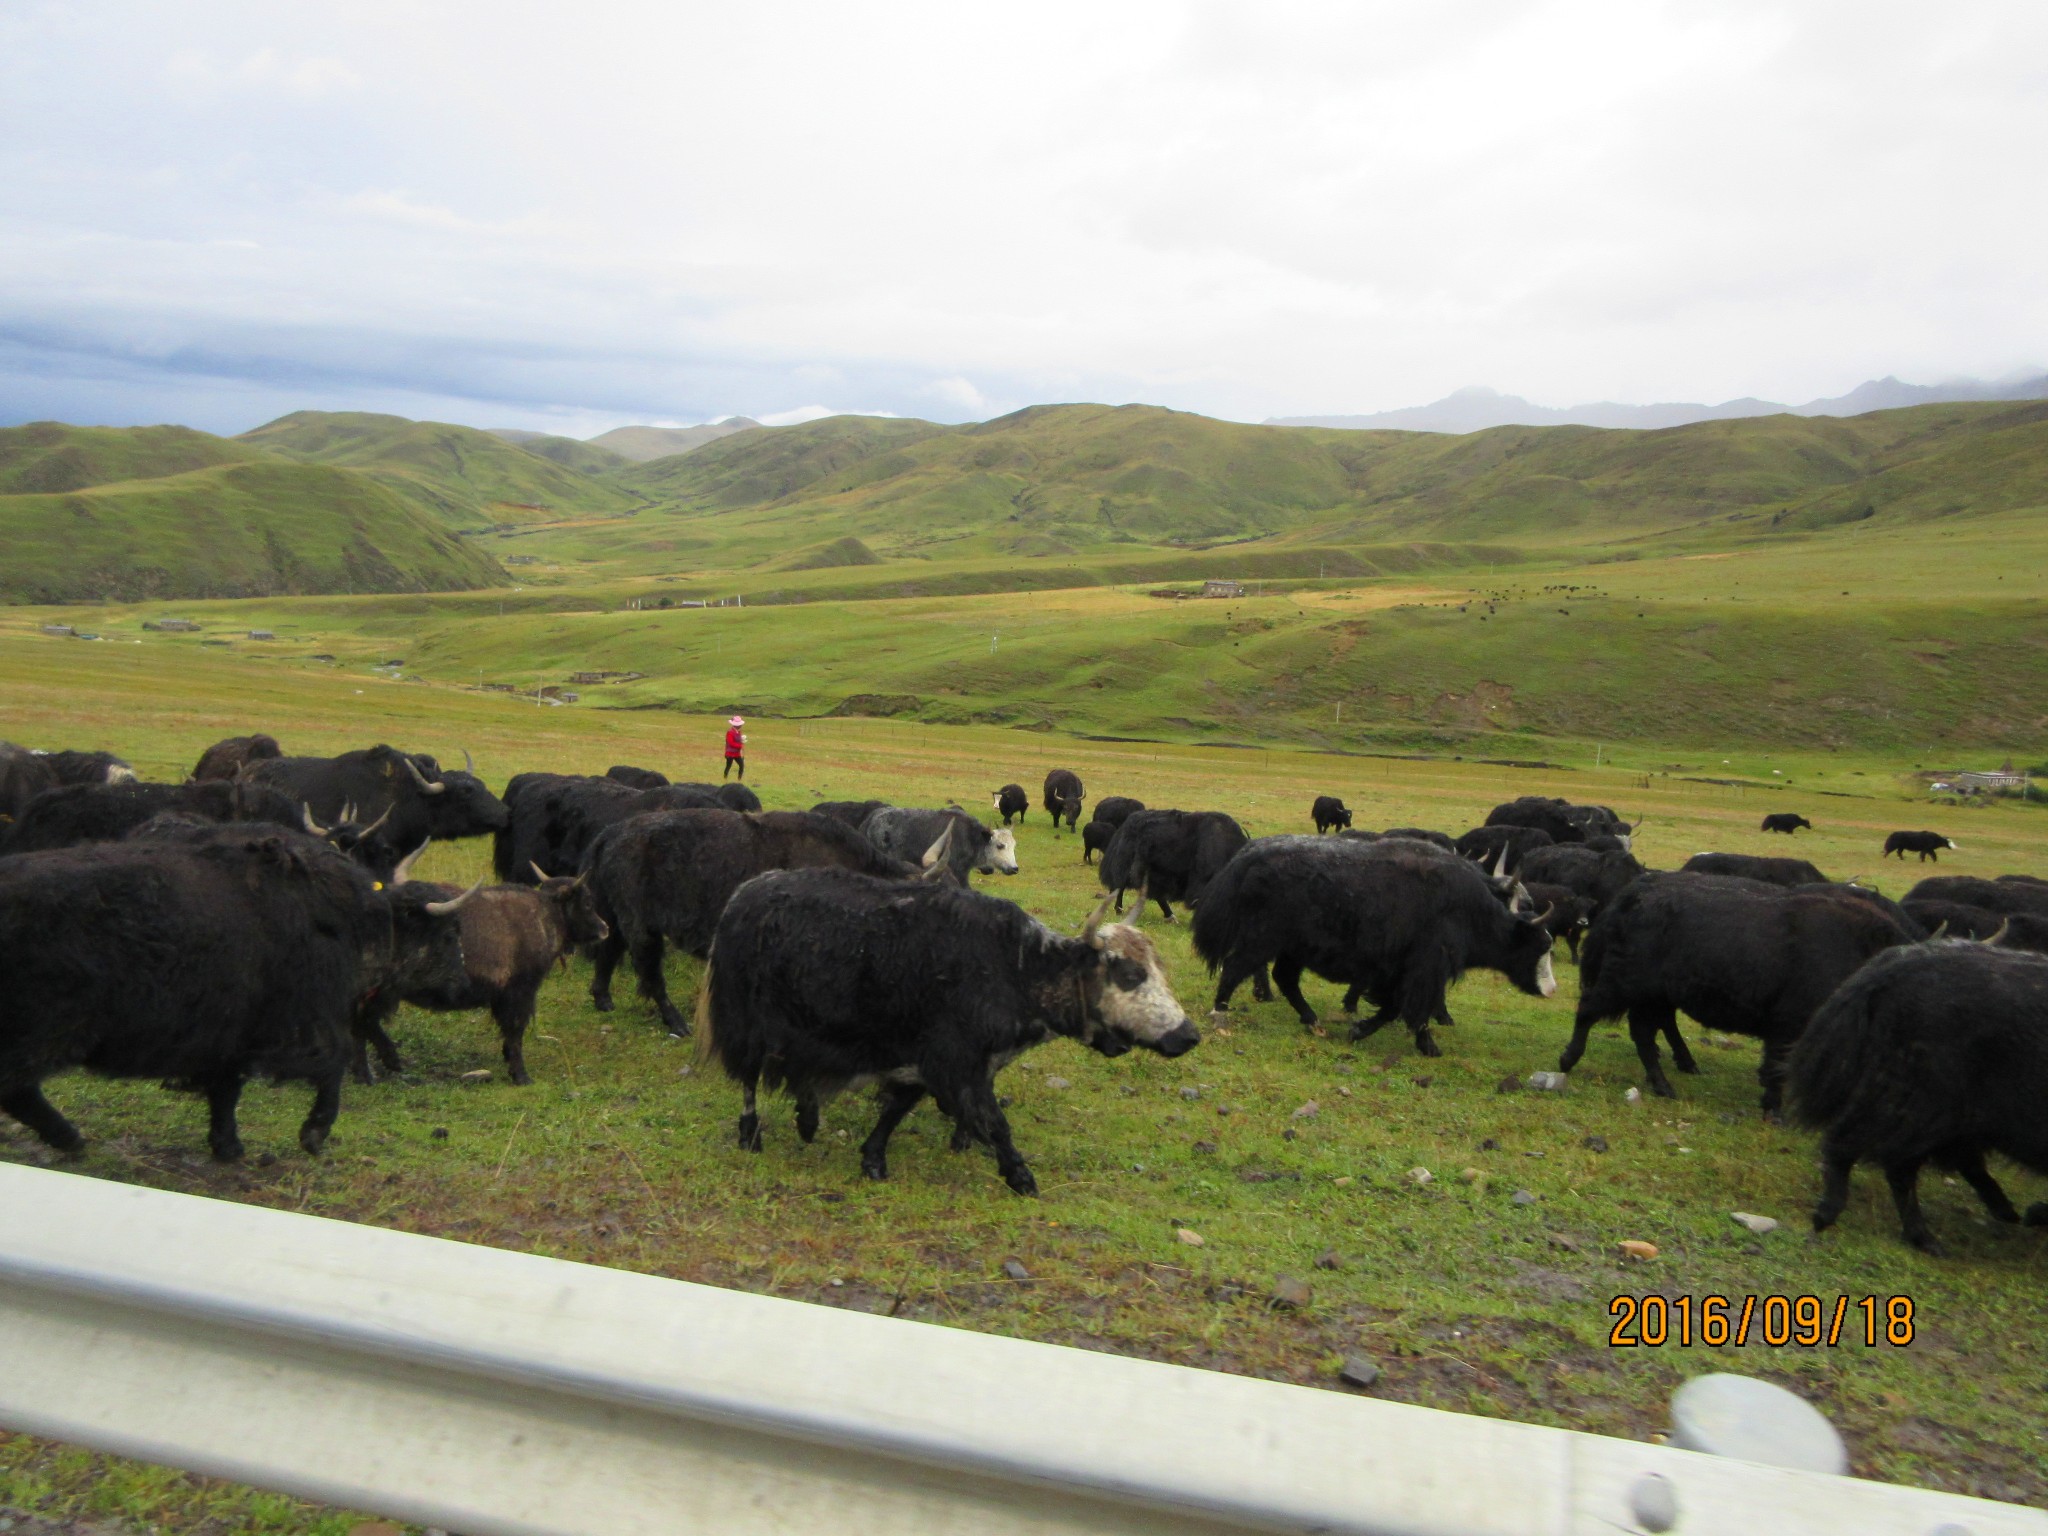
(735, 743)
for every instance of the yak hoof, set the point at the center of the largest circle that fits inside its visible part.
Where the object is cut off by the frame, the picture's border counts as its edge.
(601, 1001)
(231, 1151)
(520, 1079)
(1219, 1015)
(1022, 1182)
(311, 1137)
(874, 1167)
(1662, 1088)
(1425, 1043)
(750, 1133)
(1928, 1244)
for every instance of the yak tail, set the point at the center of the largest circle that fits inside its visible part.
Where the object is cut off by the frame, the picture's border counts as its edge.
(705, 1043)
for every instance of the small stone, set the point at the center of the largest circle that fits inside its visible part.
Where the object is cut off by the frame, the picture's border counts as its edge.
(480, 1075)
(1288, 1134)
(1595, 1143)
(1561, 1240)
(1205, 1146)
(1308, 1111)
(1420, 1176)
(1633, 1096)
(1359, 1371)
(1016, 1271)
(1191, 1093)
(1328, 1259)
(1470, 1175)
(1343, 1090)
(1344, 1179)
(1509, 1084)
(1057, 1082)
(1523, 1197)
(1757, 1224)
(1491, 1144)
(1290, 1294)
(1187, 1235)
(1549, 1082)
(439, 1133)
(835, 1280)
(1635, 1249)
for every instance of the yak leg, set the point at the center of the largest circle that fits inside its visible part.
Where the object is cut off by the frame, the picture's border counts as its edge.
(41, 1116)
(647, 952)
(1423, 1001)
(1287, 977)
(512, 1011)
(1646, 1022)
(604, 957)
(1771, 1074)
(1164, 910)
(369, 1032)
(1970, 1165)
(978, 1108)
(750, 1118)
(1681, 1053)
(1836, 1163)
(1262, 986)
(897, 1100)
(320, 1118)
(1575, 1048)
(1904, 1178)
(806, 1115)
(223, 1135)
(1234, 972)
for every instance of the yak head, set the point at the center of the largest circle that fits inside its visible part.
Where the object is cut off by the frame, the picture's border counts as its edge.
(1527, 961)
(1127, 999)
(574, 904)
(1000, 857)
(458, 803)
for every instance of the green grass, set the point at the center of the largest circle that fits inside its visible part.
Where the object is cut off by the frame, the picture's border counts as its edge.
(622, 1154)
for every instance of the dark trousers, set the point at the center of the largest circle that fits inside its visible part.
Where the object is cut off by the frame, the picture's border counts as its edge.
(735, 762)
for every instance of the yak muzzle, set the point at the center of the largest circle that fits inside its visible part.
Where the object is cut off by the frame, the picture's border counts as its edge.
(1178, 1041)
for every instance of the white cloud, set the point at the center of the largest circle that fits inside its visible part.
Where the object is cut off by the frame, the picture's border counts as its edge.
(650, 212)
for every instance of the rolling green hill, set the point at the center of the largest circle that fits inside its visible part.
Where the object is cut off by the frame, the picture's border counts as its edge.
(117, 514)
(464, 476)
(569, 452)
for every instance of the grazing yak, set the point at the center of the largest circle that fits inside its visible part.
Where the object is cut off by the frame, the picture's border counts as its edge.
(1955, 920)
(972, 848)
(1110, 813)
(1563, 913)
(1063, 796)
(226, 759)
(1395, 920)
(1328, 813)
(1934, 1053)
(850, 813)
(663, 879)
(72, 814)
(423, 800)
(1740, 956)
(236, 953)
(1927, 844)
(553, 818)
(2000, 895)
(26, 773)
(1011, 804)
(1564, 821)
(1753, 866)
(1095, 838)
(637, 778)
(1435, 839)
(512, 935)
(1485, 845)
(1172, 854)
(822, 979)
(1596, 875)
(1787, 822)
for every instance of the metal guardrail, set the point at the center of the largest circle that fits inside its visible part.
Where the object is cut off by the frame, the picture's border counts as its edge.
(503, 1394)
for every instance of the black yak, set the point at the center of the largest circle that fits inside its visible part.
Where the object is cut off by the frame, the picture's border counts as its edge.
(72, 814)
(1787, 822)
(973, 848)
(850, 813)
(1596, 875)
(1485, 845)
(1927, 844)
(1063, 797)
(637, 778)
(1011, 803)
(1933, 1053)
(2000, 895)
(823, 979)
(225, 759)
(1328, 813)
(1172, 854)
(424, 800)
(1754, 866)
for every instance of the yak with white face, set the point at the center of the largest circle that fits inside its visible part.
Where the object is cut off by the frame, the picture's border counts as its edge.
(823, 979)
(975, 849)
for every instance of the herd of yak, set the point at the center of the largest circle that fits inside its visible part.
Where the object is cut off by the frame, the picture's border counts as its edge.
(258, 919)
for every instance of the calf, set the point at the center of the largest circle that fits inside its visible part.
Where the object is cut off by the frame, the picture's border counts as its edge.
(1740, 956)
(906, 834)
(663, 879)
(1935, 1053)
(821, 980)
(1095, 838)
(237, 952)
(226, 759)
(1397, 921)
(1751, 866)
(1927, 844)
(1012, 802)
(1486, 845)
(1787, 822)
(1063, 797)
(511, 936)
(1172, 854)
(1328, 813)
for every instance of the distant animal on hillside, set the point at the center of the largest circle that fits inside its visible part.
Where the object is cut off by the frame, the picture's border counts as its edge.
(1063, 796)
(1787, 822)
(1329, 812)
(1932, 1053)
(1927, 844)
(1012, 802)
(1755, 866)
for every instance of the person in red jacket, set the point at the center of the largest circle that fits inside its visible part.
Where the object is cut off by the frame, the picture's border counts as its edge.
(735, 747)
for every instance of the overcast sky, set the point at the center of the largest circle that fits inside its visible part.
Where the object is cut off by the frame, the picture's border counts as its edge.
(570, 217)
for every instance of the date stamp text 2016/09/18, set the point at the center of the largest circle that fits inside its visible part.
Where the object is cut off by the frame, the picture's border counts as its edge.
(1652, 1321)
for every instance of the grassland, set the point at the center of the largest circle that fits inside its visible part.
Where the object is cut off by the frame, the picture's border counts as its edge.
(621, 1153)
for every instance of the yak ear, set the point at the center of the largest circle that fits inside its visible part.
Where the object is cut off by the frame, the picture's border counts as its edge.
(1095, 918)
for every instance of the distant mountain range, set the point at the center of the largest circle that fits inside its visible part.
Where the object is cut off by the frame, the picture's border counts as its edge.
(1476, 409)
(639, 444)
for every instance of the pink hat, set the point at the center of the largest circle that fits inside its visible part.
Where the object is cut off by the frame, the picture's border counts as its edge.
(735, 720)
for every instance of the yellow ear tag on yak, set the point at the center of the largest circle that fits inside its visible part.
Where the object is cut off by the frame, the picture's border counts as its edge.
(376, 885)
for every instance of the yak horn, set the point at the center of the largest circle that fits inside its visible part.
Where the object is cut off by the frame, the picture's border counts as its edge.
(1939, 929)
(1519, 894)
(468, 762)
(425, 783)
(1095, 918)
(1544, 916)
(1500, 862)
(538, 872)
(1999, 934)
(935, 857)
(1138, 912)
(312, 826)
(453, 903)
(403, 872)
(373, 826)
